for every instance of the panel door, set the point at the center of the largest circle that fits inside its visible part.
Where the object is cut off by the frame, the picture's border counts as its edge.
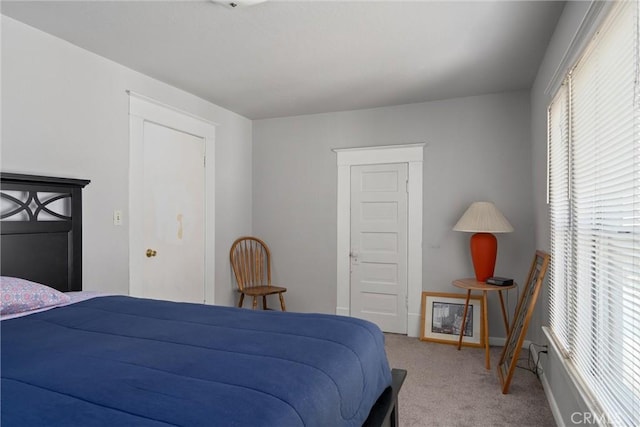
(379, 245)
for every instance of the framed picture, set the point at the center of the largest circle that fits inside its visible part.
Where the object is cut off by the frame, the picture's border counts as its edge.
(442, 319)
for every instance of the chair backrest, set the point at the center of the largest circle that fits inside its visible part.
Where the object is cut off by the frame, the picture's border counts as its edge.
(251, 262)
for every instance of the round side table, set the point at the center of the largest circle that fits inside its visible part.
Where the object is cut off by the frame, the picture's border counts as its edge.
(473, 285)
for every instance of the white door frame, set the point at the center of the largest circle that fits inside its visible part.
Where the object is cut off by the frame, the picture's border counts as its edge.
(141, 109)
(407, 153)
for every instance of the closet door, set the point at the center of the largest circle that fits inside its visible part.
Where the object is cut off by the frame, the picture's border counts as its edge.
(173, 209)
(168, 200)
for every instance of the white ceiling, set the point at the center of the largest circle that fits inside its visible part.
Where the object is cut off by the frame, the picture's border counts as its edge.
(284, 58)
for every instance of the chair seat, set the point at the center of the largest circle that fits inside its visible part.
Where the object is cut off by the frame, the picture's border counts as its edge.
(263, 290)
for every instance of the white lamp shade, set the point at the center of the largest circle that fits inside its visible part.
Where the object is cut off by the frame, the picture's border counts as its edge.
(483, 217)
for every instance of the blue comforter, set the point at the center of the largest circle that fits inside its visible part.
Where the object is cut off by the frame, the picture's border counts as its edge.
(121, 361)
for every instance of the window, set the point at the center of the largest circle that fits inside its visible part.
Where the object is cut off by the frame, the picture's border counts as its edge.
(594, 199)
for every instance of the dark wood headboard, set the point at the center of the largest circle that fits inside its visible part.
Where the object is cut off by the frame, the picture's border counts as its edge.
(41, 229)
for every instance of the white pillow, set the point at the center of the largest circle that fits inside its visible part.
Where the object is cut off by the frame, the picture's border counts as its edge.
(20, 295)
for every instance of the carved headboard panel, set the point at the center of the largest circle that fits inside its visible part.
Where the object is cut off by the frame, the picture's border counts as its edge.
(41, 229)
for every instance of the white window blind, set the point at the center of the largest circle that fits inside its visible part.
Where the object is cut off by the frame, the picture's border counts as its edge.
(594, 195)
(559, 296)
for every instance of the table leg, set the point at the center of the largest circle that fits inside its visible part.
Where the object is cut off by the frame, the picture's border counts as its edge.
(464, 319)
(504, 313)
(486, 330)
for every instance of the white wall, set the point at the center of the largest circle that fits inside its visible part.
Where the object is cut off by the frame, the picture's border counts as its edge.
(569, 33)
(65, 113)
(478, 148)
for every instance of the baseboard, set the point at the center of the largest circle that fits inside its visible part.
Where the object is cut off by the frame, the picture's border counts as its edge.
(500, 341)
(553, 404)
(413, 326)
(343, 311)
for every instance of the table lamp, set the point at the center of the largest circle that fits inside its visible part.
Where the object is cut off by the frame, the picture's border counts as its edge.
(483, 218)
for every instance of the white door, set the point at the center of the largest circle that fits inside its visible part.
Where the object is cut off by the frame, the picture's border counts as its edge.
(379, 245)
(173, 216)
(171, 202)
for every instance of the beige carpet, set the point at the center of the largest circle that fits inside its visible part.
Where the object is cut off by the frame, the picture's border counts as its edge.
(447, 387)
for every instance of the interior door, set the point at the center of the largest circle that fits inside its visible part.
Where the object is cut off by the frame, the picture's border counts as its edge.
(379, 245)
(170, 246)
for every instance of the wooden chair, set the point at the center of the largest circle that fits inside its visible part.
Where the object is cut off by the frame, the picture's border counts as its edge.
(251, 262)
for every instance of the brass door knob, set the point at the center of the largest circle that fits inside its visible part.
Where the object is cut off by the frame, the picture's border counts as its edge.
(151, 252)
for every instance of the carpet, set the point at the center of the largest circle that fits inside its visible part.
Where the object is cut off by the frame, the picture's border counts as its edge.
(446, 387)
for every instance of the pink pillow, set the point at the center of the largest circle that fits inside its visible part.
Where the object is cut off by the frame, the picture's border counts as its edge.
(19, 295)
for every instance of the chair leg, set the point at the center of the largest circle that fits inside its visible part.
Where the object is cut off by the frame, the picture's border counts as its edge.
(264, 302)
(241, 300)
(282, 301)
(255, 303)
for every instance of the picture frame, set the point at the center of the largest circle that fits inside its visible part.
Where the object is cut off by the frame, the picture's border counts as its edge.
(524, 312)
(442, 312)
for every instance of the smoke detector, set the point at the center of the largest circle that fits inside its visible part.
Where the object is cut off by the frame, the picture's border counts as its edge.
(233, 4)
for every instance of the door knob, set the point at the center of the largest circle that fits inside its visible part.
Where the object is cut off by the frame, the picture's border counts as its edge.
(151, 252)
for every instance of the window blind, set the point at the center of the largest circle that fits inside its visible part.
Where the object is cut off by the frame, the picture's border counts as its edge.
(594, 195)
(560, 296)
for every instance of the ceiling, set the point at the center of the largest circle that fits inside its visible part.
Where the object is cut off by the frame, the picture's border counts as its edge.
(286, 58)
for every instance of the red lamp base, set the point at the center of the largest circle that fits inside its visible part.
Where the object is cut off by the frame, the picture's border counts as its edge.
(484, 247)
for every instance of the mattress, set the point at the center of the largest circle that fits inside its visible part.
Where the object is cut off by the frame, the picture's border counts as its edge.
(119, 360)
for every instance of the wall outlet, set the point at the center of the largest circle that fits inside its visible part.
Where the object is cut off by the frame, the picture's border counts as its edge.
(117, 217)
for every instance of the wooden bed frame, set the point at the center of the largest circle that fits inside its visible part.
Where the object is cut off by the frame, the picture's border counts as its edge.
(41, 240)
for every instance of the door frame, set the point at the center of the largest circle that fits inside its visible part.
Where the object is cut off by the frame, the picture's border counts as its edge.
(144, 109)
(413, 155)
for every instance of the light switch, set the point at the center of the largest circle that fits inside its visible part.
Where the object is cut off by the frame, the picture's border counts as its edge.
(117, 217)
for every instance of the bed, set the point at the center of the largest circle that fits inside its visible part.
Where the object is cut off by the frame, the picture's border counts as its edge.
(117, 360)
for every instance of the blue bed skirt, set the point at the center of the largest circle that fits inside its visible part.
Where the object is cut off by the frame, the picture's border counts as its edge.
(123, 361)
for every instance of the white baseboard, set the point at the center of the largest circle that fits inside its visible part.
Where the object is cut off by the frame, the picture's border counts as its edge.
(500, 341)
(343, 311)
(553, 404)
(497, 341)
(413, 327)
